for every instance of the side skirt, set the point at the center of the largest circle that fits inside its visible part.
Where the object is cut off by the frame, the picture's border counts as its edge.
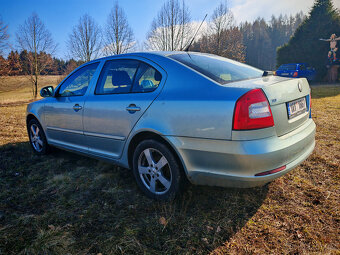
(91, 155)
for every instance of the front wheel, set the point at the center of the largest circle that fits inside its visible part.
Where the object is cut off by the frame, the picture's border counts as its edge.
(156, 170)
(37, 137)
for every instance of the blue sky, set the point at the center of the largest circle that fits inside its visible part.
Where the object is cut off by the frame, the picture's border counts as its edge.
(60, 16)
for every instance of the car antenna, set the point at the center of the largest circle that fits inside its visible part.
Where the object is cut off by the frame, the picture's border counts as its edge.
(192, 40)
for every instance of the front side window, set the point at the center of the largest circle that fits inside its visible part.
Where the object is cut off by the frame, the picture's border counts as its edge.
(147, 79)
(76, 84)
(219, 69)
(116, 77)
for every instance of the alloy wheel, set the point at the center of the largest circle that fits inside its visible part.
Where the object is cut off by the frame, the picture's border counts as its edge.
(154, 171)
(36, 140)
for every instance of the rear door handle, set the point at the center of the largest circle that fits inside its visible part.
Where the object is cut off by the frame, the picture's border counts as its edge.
(77, 107)
(132, 108)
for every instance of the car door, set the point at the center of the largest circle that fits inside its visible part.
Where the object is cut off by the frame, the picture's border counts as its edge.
(64, 111)
(125, 89)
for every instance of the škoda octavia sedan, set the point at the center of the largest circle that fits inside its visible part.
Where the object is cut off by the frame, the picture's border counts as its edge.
(171, 116)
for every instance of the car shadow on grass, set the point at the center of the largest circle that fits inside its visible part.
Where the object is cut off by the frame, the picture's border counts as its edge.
(64, 202)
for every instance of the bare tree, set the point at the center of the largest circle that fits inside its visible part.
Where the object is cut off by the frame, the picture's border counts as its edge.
(171, 29)
(222, 20)
(85, 39)
(3, 36)
(118, 36)
(33, 37)
(223, 37)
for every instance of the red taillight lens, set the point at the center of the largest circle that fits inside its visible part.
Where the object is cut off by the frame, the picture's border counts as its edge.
(252, 111)
(295, 74)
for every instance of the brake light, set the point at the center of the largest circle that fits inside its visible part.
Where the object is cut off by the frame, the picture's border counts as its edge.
(295, 74)
(252, 111)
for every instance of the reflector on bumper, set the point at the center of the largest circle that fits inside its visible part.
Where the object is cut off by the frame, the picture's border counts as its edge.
(271, 171)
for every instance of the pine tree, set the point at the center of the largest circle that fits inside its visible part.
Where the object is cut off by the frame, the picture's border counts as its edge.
(47, 62)
(71, 65)
(13, 61)
(305, 46)
(4, 67)
(25, 62)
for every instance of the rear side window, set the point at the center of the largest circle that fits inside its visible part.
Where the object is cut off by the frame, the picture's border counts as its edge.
(76, 84)
(219, 69)
(116, 77)
(147, 79)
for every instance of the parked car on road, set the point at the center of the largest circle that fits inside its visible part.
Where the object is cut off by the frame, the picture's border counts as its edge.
(172, 116)
(296, 70)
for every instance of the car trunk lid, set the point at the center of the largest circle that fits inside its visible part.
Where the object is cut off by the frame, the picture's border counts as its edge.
(285, 96)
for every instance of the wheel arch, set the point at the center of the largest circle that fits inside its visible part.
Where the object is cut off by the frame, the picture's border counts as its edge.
(31, 116)
(145, 135)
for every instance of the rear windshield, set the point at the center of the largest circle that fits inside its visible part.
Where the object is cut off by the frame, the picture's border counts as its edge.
(288, 67)
(221, 70)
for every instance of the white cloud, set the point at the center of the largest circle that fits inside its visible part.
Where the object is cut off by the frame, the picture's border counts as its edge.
(249, 10)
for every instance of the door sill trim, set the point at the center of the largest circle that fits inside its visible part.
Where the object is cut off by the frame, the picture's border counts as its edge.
(66, 130)
(115, 137)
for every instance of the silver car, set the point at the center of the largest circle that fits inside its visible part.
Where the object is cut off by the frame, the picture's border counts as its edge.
(177, 116)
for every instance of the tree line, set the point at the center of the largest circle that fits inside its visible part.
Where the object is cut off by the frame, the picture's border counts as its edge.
(261, 38)
(172, 29)
(252, 42)
(305, 45)
(18, 63)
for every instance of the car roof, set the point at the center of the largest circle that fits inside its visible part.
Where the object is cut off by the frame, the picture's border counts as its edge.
(149, 54)
(145, 54)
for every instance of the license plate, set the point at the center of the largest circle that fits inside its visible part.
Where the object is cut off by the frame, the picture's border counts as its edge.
(296, 107)
(285, 74)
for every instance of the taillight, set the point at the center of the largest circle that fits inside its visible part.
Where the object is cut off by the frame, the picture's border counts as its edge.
(295, 74)
(252, 111)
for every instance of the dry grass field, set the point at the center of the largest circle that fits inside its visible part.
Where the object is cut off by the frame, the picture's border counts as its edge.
(68, 204)
(18, 88)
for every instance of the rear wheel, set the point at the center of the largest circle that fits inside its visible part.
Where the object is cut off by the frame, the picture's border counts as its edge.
(156, 170)
(37, 137)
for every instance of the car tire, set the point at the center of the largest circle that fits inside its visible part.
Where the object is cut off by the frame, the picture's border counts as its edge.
(156, 170)
(37, 137)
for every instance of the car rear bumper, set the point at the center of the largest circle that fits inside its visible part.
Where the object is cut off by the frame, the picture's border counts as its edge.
(234, 163)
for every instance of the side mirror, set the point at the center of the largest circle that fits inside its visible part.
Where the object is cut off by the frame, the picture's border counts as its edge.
(47, 91)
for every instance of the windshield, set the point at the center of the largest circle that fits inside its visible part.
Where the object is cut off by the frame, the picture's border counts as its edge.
(219, 69)
(288, 67)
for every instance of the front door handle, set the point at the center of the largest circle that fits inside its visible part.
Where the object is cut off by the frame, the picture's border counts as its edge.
(132, 108)
(77, 107)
